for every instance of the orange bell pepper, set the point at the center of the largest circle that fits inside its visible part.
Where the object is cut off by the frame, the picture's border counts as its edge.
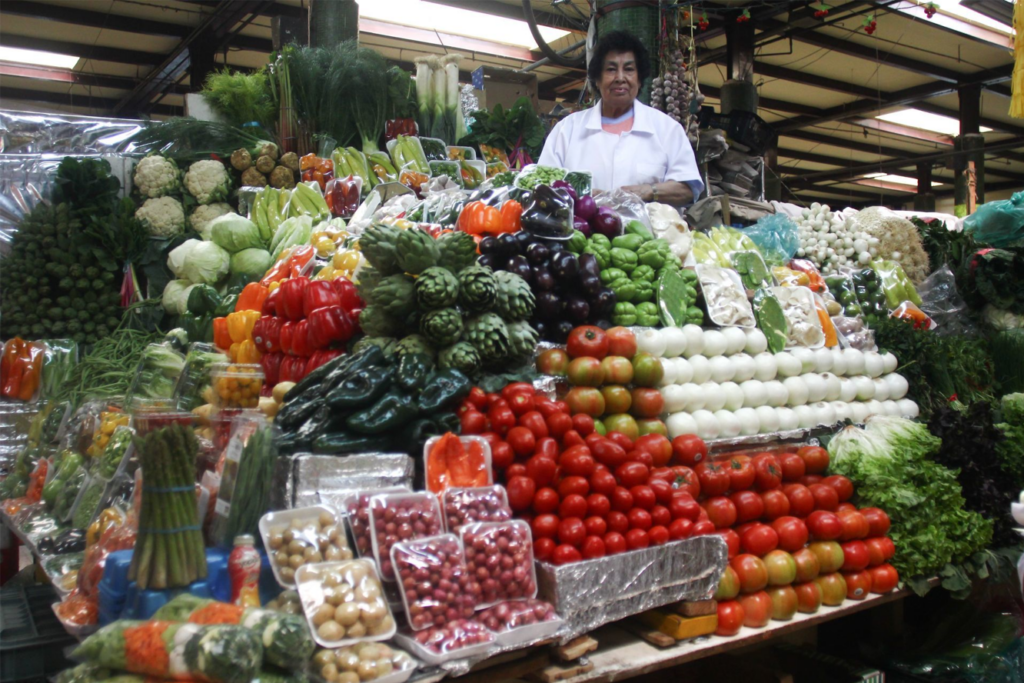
(252, 297)
(289, 265)
(240, 324)
(511, 215)
(478, 219)
(221, 336)
(8, 377)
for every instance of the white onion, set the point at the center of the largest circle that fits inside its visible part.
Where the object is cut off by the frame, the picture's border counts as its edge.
(806, 358)
(873, 364)
(786, 365)
(807, 416)
(680, 423)
(749, 424)
(674, 341)
(777, 393)
(694, 340)
(684, 371)
(826, 414)
(898, 385)
(735, 340)
(756, 342)
(838, 362)
(875, 407)
(651, 341)
(847, 390)
(881, 389)
(701, 369)
(889, 361)
(816, 387)
(722, 369)
(854, 362)
(764, 367)
(787, 418)
(733, 396)
(714, 397)
(707, 424)
(797, 390)
(674, 397)
(908, 408)
(842, 410)
(767, 420)
(714, 344)
(668, 376)
(728, 425)
(822, 360)
(858, 412)
(745, 367)
(694, 397)
(754, 393)
(892, 408)
(832, 386)
(865, 388)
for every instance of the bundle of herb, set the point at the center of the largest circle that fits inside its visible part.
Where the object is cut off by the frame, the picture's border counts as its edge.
(993, 276)
(1011, 449)
(970, 445)
(511, 129)
(186, 138)
(319, 96)
(239, 97)
(363, 78)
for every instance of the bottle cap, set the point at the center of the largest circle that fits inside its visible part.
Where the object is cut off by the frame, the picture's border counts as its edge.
(245, 539)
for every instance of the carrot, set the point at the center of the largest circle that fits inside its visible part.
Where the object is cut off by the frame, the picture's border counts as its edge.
(217, 613)
(144, 649)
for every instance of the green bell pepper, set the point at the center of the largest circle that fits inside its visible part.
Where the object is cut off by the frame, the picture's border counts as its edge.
(645, 273)
(227, 305)
(391, 412)
(647, 314)
(610, 275)
(635, 227)
(413, 371)
(656, 254)
(624, 259)
(624, 288)
(601, 253)
(199, 328)
(644, 291)
(627, 241)
(361, 388)
(624, 314)
(203, 299)
(443, 390)
(577, 243)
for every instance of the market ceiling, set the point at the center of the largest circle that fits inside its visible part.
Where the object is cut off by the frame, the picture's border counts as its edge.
(822, 81)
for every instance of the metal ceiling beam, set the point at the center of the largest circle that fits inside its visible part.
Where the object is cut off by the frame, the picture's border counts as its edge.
(799, 155)
(804, 78)
(948, 24)
(83, 50)
(43, 73)
(275, 9)
(69, 100)
(84, 17)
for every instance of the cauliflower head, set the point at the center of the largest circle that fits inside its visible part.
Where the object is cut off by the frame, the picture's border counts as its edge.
(208, 181)
(162, 216)
(200, 219)
(157, 176)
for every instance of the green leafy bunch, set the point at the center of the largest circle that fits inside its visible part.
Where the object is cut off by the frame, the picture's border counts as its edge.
(517, 126)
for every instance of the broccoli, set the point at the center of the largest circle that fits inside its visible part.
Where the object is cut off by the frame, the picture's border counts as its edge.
(92, 272)
(78, 338)
(89, 327)
(57, 313)
(81, 284)
(99, 284)
(83, 315)
(74, 326)
(76, 270)
(59, 327)
(31, 282)
(45, 302)
(66, 283)
(38, 330)
(113, 322)
(102, 330)
(88, 296)
(64, 301)
(108, 276)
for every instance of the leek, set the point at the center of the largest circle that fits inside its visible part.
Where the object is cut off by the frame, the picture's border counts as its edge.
(438, 99)
(423, 92)
(451, 98)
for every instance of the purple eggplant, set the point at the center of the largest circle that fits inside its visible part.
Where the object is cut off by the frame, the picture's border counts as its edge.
(550, 306)
(562, 331)
(590, 284)
(490, 245)
(490, 260)
(603, 323)
(541, 327)
(565, 186)
(604, 303)
(543, 279)
(520, 266)
(538, 253)
(589, 265)
(606, 222)
(585, 207)
(581, 224)
(565, 266)
(524, 239)
(577, 308)
(509, 245)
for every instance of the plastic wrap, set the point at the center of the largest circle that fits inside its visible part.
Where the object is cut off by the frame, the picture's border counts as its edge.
(437, 586)
(628, 205)
(377, 662)
(305, 479)
(500, 556)
(999, 223)
(592, 593)
(726, 301)
(344, 603)
(14, 426)
(463, 506)
(941, 301)
(776, 236)
(398, 517)
(295, 538)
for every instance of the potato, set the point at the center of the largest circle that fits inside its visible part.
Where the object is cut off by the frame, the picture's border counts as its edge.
(367, 670)
(348, 677)
(347, 613)
(323, 657)
(356, 630)
(331, 630)
(347, 660)
(329, 672)
(322, 614)
(280, 389)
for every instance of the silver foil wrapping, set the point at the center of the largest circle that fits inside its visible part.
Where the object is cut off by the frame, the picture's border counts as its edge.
(592, 593)
(305, 479)
(15, 418)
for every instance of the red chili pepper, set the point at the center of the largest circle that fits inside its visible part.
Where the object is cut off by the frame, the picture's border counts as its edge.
(350, 298)
(289, 305)
(300, 339)
(271, 364)
(293, 369)
(287, 334)
(318, 294)
(267, 334)
(270, 303)
(329, 324)
(321, 357)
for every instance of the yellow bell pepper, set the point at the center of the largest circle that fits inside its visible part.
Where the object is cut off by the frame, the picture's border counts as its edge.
(245, 352)
(240, 324)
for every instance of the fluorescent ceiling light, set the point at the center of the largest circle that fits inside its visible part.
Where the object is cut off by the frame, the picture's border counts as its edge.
(37, 58)
(456, 21)
(936, 123)
(954, 8)
(897, 179)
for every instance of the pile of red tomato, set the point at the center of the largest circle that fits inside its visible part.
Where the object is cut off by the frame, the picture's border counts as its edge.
(795, 542)
(584, 494)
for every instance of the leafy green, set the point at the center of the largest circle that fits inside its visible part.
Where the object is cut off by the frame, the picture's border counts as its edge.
(942, 244)
(240, 97)
(994, 276)
(518, 126)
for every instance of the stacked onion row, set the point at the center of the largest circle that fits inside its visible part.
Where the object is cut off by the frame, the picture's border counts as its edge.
(724, 383)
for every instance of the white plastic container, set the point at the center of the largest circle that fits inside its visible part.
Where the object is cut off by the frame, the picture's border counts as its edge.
(282, 521)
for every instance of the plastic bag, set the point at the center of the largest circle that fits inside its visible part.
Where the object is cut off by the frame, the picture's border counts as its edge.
(941, 301)
(628, 205)
(549, 213)
(999, 223)
(424, 607)
(776, 236)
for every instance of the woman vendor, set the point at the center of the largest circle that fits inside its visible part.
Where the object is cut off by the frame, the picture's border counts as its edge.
(622, 142)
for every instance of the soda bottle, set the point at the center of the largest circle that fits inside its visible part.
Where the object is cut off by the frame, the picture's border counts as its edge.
(244, 571)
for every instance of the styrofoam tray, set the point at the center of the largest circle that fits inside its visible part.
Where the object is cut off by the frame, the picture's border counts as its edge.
(311, 592)
(272, 519)
(713, 306)
(410, 645)
(396, 497)
(528, 634)
(784, 294)
(465, 441)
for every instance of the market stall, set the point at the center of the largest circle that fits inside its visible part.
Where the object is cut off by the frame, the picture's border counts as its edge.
(337, 396)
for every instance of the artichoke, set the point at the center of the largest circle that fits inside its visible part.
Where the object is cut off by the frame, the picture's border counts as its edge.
(416, 251)
(488, 334)
(477, 288)
(414, 343)
(379, 245)
(375, 322)
(395, 294)
(443, 327)
(437, 288)
(462, 357)
(457, 251)
(369, 277)
(514, 300)
(386, 344)
(522, 338)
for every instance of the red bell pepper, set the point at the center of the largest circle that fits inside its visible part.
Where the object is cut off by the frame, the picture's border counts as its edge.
(300, 339)
(293, 369)
(270, 303)
(328, 325)
(289, 304)
(318, 294)
(350, 298)
(267, 334)
(287, 334)
(321, 357)
(271, 364)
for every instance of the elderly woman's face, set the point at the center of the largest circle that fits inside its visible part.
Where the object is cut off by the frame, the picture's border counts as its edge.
(620, 81)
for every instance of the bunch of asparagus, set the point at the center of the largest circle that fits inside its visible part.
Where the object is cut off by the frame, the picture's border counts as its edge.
(169, 550)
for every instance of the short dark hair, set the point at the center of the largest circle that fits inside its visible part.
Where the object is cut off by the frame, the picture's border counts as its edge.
(618, 41)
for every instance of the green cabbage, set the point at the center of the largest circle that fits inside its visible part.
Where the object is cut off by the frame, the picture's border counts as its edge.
(175, 297)
(255, 262)
(199, 262)
(235, 233)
